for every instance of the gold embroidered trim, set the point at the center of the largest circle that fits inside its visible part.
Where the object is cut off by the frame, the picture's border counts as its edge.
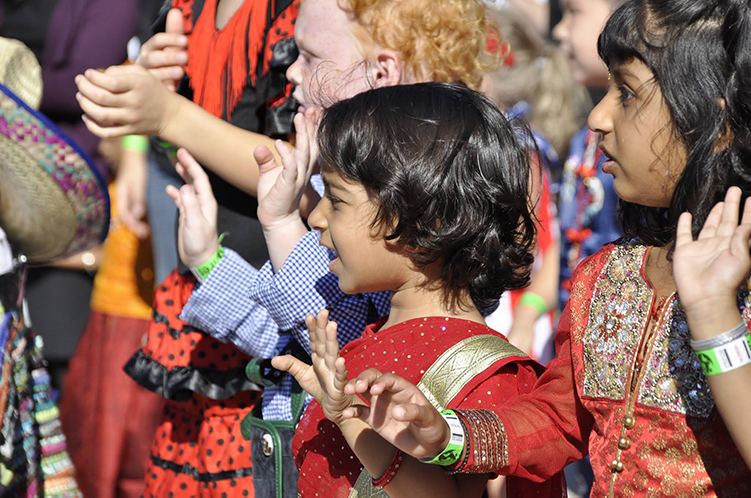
(364, 487)
(459, 364)
(618, 316)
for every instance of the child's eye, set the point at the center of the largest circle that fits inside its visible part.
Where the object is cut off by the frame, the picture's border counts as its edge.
(333, 200)
(626, 94)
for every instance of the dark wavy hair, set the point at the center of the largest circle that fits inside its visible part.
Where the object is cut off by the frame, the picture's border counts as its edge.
(450, 177)
(700, 54)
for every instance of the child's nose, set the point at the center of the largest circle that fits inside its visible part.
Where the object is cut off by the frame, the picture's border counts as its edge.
(599, 119)
(294, 73)
(317, 218)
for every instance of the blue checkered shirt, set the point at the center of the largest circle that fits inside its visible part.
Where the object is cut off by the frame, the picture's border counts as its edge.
(249, 308)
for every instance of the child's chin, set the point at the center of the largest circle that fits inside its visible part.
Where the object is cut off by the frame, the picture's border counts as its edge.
(349, 287)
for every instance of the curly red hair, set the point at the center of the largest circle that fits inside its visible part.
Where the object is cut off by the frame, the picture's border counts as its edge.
(439, 40)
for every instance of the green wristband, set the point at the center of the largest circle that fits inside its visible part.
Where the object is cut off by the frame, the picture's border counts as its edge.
(203, 271)
(727, 357)
(453, 450)
(536, 301)
(137, 143)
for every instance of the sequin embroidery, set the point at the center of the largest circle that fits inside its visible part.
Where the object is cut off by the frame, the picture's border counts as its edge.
(673, 379)
(619, 313)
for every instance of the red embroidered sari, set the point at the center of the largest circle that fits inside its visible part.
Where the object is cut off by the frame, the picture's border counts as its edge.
(468, 375)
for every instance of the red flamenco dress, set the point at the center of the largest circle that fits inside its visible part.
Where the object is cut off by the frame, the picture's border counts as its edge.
(236, 73)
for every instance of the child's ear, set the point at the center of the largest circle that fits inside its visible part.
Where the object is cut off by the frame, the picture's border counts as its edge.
(387, 68)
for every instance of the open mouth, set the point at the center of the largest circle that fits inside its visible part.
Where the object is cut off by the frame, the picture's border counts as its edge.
(610, 162)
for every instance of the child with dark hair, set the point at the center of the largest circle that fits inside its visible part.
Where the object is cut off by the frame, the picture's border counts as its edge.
(652, 374)
(422, 183)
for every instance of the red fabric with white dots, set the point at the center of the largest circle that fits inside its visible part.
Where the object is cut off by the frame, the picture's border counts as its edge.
(327, 465)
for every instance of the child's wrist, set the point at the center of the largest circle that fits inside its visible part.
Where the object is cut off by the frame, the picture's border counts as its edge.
(711, 317)
(271, 227)
(203, 270)
(173, 104)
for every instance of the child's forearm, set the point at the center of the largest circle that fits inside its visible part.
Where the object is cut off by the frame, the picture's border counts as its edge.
(731, 390)
(218, 145)
(282, 239)
(413, 478)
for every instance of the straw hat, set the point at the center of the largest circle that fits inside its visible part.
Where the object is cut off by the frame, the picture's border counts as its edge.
(20, 71)
(53, 200)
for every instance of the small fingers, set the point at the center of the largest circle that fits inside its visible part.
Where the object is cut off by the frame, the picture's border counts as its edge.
(302, 144)
(166, 58)
(739, 244)
(713, 220)
(312, 116)
(168, 74)
(265, 159)
(289, 363)
(746, 219)
(332, 346)
(107, 131)
(174, 23)
(683, 233)
(289, 162)
(191, 208)
(199, 177)
(116, 79)
(161, 41)
(322, 320)
(103, 116)
(729, 219)
(310, 323)
(410, 412)
(97, 94)
(340, 377)
(361, 412)
(363, 382)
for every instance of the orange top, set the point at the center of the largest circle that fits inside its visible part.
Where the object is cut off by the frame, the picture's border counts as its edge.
(124, 283)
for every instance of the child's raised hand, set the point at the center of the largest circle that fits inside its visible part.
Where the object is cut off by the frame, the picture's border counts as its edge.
(124, 100)
(399, 412)
(197, 234)
(709, 270)
(165, 54)
(326, 377)
(280, 188)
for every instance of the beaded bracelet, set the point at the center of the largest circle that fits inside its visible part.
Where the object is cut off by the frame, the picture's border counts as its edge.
(391, 471)
(492, 453)
(719, 340)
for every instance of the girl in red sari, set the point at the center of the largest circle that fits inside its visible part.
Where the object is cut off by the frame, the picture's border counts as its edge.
(423, 183)
(652, 376)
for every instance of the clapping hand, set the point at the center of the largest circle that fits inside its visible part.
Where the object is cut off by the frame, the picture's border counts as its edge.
(281, 187)
(197, 234)
(399, 412)
(709, 270)
(165, 54)
(325, 378)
